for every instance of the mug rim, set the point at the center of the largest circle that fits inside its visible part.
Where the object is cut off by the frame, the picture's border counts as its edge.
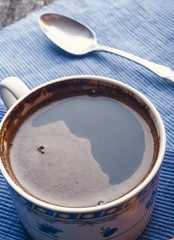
(162, 146)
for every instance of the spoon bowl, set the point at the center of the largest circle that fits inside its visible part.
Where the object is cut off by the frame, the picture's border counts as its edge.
(70, 35)
(76, 38)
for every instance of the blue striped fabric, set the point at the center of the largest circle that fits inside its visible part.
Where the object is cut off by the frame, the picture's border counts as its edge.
(144, 28)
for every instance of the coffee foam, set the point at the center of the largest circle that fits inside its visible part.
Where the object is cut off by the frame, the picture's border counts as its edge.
(60, 170)
(58, 174)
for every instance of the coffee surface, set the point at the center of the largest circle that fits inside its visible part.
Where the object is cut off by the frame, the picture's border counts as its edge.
(82, 150)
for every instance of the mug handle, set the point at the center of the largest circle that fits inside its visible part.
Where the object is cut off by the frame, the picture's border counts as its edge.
(11, 89)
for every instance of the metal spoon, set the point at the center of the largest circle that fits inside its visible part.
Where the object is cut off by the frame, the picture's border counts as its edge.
(78, 39)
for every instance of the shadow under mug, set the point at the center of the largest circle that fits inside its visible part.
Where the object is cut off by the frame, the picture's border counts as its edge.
(124, 218)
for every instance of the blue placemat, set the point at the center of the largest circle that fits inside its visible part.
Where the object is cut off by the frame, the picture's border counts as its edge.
(144, 28)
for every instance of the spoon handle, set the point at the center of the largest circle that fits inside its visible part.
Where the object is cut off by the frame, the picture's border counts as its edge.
(160, 70)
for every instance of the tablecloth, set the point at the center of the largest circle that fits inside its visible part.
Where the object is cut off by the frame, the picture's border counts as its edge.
(142, 27)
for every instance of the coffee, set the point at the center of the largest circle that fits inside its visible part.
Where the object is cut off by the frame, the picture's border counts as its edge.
(83, 150)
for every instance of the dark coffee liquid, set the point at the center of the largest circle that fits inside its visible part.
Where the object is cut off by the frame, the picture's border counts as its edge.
(82, 150)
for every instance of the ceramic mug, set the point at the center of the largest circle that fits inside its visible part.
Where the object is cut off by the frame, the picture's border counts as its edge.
(124, 218)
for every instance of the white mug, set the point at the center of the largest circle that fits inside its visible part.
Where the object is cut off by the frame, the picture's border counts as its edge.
(124, 218)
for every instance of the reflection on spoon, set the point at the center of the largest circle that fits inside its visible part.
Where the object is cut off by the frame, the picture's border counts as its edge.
(78, 39)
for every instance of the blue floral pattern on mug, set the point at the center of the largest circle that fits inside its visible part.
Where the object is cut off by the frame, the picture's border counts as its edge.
(107, 232)
(50, 230)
